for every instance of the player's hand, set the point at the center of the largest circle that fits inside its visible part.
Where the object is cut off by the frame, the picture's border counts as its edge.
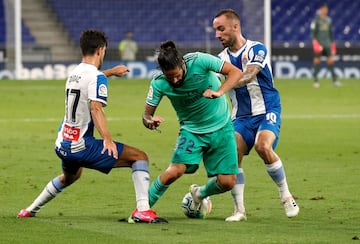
(119, 70)
(110, 147)
(333, 48)
(316, 46)
(212, 94)
(154, 122)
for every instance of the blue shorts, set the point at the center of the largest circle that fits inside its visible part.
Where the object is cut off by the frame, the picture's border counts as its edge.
(248, 127)
(90, 157)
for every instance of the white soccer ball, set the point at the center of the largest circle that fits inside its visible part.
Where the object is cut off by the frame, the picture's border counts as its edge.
(187, 205)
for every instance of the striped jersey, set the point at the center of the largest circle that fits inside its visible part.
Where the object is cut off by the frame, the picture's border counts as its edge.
(84, 84)
(259, 95)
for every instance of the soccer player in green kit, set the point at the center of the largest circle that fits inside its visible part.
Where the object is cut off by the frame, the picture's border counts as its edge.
(206, 132)
(323, 43)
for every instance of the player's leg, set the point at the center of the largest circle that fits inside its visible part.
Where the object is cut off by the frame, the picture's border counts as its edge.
(330, 63)
(220, 160)
(265, 142)
(51, 190)
(185, 159)
(139, 163)
(316, 69)
(244, 137)
(164, 180)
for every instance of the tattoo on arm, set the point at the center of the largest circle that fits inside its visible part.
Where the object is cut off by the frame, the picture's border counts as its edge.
(249, 74)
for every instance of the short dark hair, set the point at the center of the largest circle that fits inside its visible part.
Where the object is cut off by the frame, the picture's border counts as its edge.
(169, 57)
(91, 40)
(229, 13)
(323, 5)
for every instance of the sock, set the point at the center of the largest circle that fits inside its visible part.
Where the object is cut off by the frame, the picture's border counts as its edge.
(316, 71)
(53, 188)
(332, 71)
(277, 173)
(210, 188)
(141, 178)
(238, 192)
(157, 189)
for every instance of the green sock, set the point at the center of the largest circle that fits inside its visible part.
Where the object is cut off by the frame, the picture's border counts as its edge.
(332, 71)
(211, 188)
(156, 190)
(316, 71)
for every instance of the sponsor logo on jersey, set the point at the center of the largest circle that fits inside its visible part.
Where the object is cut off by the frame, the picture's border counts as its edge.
(102, 90)
(150, 93)
(70, 133)
(260, 56)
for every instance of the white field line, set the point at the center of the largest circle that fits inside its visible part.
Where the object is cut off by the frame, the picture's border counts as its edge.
(289, 116)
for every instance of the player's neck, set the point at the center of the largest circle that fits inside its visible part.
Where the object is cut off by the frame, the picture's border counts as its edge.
(90, 60)
(240, 42)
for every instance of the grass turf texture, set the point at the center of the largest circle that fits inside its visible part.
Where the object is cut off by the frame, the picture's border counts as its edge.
(319, 147)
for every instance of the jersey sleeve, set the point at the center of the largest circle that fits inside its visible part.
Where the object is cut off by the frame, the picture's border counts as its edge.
(210, 62)
(98, 89)
(257, 55)
(313, 29)
(331, 33)
(154, 95)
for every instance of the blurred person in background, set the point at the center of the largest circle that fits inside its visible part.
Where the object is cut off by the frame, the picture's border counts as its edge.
(323, 44)
(128, 48)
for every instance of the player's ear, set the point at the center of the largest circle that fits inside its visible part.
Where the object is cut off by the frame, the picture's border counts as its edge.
(236, 26)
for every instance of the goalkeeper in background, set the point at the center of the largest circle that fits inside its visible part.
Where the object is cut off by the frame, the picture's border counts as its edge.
(323, 43)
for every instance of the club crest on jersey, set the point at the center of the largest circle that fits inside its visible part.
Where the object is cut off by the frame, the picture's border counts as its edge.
(150, 93)
(244, 60)
(102, 90)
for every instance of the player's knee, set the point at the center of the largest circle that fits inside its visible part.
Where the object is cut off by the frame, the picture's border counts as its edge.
(67, 179)
(330, 61)
(316, 60)
(172, 173)
(262, 148)
(226, 182)
(143, 155)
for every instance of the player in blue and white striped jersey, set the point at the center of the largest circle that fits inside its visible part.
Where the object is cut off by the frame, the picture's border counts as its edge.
(256, 109)
(86, 93)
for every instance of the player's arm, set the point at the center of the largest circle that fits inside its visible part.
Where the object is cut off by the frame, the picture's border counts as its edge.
(149, 120)
(119, 70)
(333, 45)
(317, 48)
(251, 71)
(233, 79)
(98, 115)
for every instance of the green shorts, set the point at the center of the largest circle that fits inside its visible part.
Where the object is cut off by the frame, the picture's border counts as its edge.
(217, 150)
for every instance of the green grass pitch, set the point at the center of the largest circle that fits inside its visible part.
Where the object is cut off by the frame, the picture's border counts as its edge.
(319, 147)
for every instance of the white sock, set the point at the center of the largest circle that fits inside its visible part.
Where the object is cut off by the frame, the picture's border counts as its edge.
(277, 173)
(51, 190)
(141, 179)
(238, 192)
(238, 196)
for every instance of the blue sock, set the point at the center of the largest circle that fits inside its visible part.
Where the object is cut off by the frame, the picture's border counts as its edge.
(58, 185)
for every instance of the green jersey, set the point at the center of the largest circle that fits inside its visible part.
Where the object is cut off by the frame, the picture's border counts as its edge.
(321, 30)
(195, 113)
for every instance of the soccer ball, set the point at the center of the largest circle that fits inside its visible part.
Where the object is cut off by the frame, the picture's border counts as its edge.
(187, 205)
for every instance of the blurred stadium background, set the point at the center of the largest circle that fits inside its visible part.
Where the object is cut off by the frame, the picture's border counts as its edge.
(50, 29)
